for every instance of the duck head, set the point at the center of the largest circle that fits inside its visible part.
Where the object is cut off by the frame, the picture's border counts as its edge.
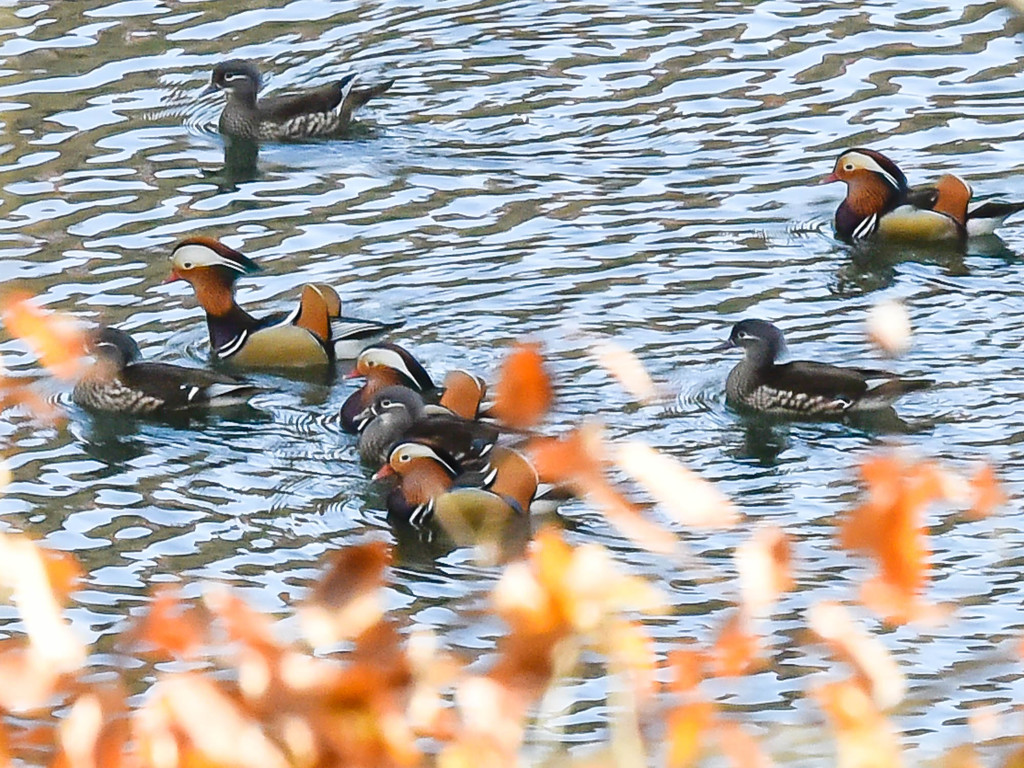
(112, 347)
(237, 77)
(425, 472)
(874, 186)
(406, 404)
(391, 364)
(212, 269)
(861, 168)
(761, 340)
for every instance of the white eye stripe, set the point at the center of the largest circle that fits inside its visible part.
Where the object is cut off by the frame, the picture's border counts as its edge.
(387, 358)
(409, 451)
(195, 255)
(857, 160)
(235, 76)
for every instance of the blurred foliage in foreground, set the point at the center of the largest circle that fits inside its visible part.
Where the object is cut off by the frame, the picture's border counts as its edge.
(359, 689)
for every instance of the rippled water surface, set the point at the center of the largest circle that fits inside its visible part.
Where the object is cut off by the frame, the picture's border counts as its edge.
(555, 170)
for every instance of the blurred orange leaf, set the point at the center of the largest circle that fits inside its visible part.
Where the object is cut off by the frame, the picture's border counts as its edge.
(243, 624)
(888, 526)
(192, 716)
(686, 726)
(493, 714)
(864, 737)
(26, 571)
(740, 747)
(576, 458)
(685, 495)
(632, 653)
(764, 567)
(28, 680)
(346, 600)
(54, 339)
(94, 734)
(986, 492)
(626, 516)
(964, 756)
(62, 570)
(523, 394)
(171, 625)
(736, 648)
(627, 368)
(688, 667)
(874, 668)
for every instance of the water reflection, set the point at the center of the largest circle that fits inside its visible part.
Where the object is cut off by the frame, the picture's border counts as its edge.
(115, 439)
(766, 437)
(241, 164)
(640, 170)
(873, 265)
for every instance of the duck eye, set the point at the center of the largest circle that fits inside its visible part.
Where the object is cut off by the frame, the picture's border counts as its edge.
(186, 265)
(404, 457)
(385, 403)
(848, 167)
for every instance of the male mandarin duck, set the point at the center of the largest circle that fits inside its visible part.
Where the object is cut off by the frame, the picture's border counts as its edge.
(880, 201)
(385, 365)
(121, 382)
(432, 484)
(313, 334)
(803, 389)
(399, 413)
(315, 113)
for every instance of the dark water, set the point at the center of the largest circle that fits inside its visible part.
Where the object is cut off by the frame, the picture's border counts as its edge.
(553, 170)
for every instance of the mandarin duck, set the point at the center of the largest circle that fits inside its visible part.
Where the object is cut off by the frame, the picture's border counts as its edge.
(385, 365)
(433, 485)
(399, 413)
(315, 113)
(880, 201)
(121, 382)
(802, 389)
(313, 334)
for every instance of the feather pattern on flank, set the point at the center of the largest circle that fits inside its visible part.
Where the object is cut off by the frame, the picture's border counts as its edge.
(315, 113)
(803, 389)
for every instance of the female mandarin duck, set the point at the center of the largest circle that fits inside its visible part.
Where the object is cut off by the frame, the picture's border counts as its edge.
(385, 365)
(803, 389)
(121, 382)
(313, 334)
(879, 201)
(432, 484)
(316, 113)
(399, 413)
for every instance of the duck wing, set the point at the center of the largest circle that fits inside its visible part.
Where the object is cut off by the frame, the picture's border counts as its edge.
(924, 196)
(325, 98)
(822, 380)
(858, 388)
(180, 387)
(468, 442)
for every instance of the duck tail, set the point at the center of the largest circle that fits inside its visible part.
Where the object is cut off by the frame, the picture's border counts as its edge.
(987, 217)
(886, 394)
(359, 96)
